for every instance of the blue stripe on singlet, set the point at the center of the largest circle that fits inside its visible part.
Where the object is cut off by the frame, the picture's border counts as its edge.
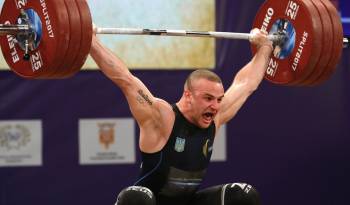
(149, 173)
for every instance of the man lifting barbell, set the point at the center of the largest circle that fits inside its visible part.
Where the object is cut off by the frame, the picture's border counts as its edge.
(176, 140)
(171, 134)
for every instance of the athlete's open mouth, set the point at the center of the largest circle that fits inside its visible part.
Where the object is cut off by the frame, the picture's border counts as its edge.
(208, 116)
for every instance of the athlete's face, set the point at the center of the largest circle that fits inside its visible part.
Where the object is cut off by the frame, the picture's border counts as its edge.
(204, 98)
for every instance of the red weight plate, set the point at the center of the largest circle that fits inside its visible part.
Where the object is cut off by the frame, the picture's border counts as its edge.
(74, 44)
(64, 30)
(49, 18)
(298, 56)
(327, 39)
(318, 29)
(86, 37)
(337, 42)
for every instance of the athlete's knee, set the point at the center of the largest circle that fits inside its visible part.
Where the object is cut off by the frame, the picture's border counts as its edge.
(136, 195)
(240, 193)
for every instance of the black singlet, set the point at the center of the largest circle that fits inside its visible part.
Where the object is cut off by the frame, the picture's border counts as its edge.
(175, 172)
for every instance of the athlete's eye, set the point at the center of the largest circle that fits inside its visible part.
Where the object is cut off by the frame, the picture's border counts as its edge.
(208, 98)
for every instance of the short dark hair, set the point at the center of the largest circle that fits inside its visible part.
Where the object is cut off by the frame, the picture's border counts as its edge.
(201, 74)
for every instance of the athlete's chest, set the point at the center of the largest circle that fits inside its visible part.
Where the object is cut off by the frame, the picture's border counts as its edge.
(188, 150)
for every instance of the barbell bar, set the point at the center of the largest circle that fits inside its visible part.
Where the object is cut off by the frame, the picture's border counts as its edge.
(275, 37)
(299, 44)
(13, 29)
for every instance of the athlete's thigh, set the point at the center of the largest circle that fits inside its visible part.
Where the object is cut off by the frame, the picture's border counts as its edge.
(208, 196)
(227, 194)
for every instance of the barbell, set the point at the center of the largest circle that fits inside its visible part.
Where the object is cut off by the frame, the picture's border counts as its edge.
(43, 39)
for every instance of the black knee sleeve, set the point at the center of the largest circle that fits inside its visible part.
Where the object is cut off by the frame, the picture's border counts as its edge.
(136, 195)
(240, 193)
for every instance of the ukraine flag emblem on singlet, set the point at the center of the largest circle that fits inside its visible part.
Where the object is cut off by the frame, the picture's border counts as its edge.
(180, 144)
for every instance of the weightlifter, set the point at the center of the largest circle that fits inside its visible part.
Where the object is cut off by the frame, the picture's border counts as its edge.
(176, 140)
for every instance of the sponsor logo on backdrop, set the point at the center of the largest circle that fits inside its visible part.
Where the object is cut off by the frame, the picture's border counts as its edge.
(107, 141)
(20, 143)
(106, 134)
(14, 136)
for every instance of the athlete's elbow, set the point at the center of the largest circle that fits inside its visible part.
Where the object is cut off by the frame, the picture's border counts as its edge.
(250, 86)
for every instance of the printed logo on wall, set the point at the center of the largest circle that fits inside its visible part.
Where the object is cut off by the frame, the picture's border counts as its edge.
(106, 141)
(106, 131)
(219, 151)
(20, 143)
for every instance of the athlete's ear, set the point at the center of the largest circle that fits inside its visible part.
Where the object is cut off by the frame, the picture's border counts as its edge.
(187, 93)
(188, 96)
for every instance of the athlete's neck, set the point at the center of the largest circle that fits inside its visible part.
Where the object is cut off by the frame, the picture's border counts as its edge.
(186, 110)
